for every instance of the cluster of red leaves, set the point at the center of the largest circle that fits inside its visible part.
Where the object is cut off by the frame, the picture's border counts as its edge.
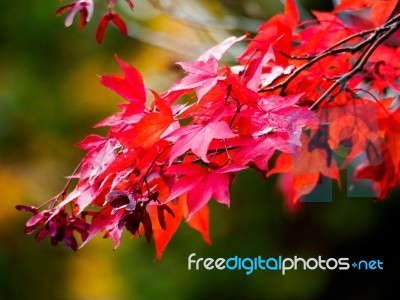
(303, 93)
(86, 7)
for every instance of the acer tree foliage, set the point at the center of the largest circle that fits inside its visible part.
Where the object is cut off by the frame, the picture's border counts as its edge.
(304, 100)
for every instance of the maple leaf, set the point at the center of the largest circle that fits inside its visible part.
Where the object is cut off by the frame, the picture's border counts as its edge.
(353, 128)
(178, 211)
(242, 88)
(162, 236)
(383, 175)
(104, 220)
(146, 132)
(219, 50)
(198, 138)
(384, 69)
(292, 12)
(389, 126)
(380, 9)
(252, 75)
(203, 75)
(303, 170)
(275, 33)
(275, 124)
(200, 222)
(148, 128)
(203, 72)
(130, 86)
(353, 5)
(259, 150)
(201, 184)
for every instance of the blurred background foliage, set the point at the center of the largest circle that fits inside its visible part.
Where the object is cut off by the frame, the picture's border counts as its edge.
(49, 100)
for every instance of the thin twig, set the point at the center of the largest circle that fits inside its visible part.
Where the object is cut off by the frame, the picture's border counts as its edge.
(375, 34)
(359, 64)
(324, 54)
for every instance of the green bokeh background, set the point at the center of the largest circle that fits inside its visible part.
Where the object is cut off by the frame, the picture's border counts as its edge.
(49, 100)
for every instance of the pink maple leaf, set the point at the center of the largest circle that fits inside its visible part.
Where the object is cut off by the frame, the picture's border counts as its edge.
(254, 69)
(202, 75)
(108, 221)
(203, 72)
(198, 138)
(219, 50)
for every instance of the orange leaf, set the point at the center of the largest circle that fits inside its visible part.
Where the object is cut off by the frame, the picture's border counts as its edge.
(389, 126)
(161, 236)
(383, 176)
(302, 173)
(353, 4)
(200, 222)
(294, 186)
(381, 11)
(147, 131)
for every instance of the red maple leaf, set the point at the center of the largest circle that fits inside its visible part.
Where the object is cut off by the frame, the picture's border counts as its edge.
(201, 184)
(303, 171)
(130, 86)
(353, 128)
(104, 220)
(146, 132)
(275, 33)
(389, 126)
(353, 4)
(163, 233)
(383, 174)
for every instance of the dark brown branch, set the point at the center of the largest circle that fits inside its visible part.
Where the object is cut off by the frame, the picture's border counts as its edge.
(329, 52)
(376, 37)
(324, 54)
(341, 42)
(359, 64)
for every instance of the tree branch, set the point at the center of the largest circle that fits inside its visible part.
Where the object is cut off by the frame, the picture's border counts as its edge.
(376, 37)
(359, 64)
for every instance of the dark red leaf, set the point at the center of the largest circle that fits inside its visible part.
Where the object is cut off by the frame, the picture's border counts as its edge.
(117, 198)
(107, 17)
(146, 221)
(120, 24)
(64, 9)
(161, 216)
(102, 27)
(41, 234)
(130, 3)
(37, 219)
(83, 18)
(31, 209)
(70, 240)
(52, 228)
